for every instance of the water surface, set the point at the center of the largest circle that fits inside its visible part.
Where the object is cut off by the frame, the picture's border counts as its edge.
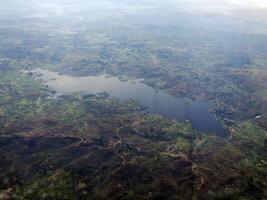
(156, 101)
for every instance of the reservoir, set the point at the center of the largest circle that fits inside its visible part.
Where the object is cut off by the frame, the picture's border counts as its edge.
(156, 101)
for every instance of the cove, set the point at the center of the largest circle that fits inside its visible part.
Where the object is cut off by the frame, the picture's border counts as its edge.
(156, 101)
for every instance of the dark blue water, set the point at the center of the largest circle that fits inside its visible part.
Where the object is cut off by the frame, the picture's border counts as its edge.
(157, 101)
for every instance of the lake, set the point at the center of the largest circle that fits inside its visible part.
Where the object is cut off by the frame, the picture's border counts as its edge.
(156, 101)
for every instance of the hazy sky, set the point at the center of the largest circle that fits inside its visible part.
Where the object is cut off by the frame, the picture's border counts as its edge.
(240, 3)
(188, 5)
(258, 3)
(104, 9)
